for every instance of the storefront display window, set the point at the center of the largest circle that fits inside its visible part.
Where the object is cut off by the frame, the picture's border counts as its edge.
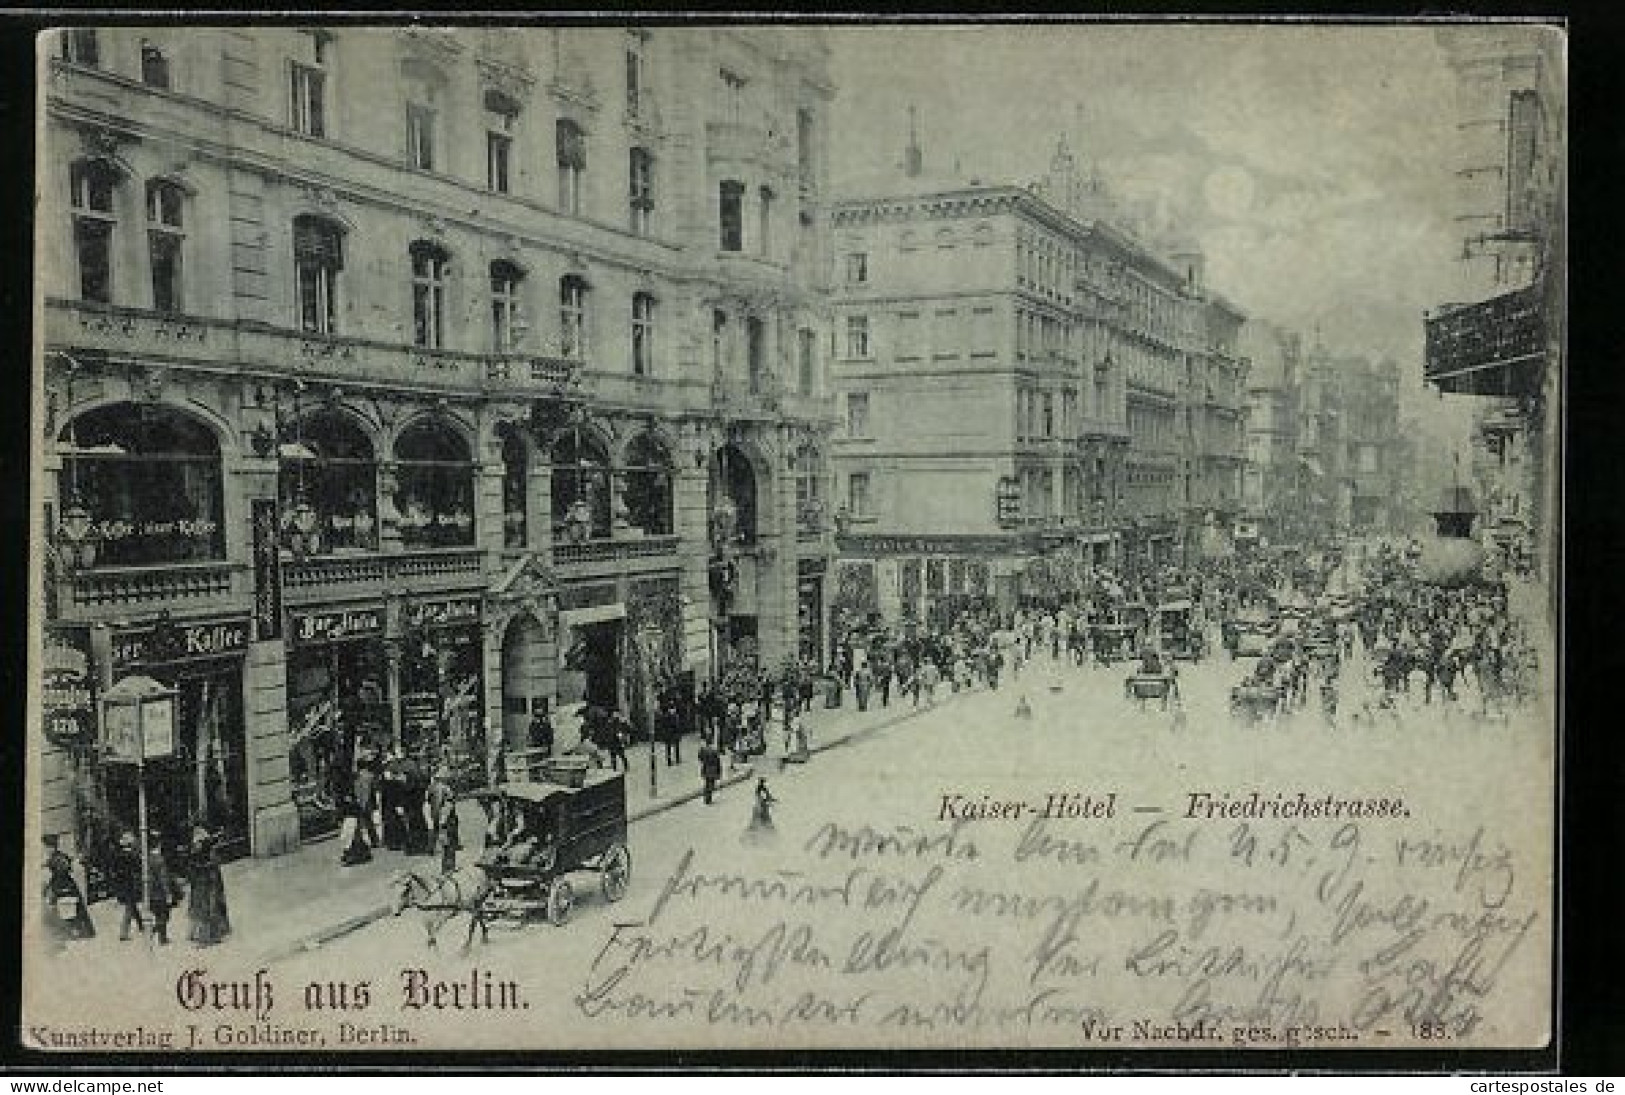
(435, 499)
(149, 479)
(338, 702)
(442, 708)
(328, 485)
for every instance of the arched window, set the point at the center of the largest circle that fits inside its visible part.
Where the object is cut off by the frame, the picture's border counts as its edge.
(327, 481)
(431, 265)
(732, 497)
(648, 486)
(94, 184)
(435, 487)
(580, 488)
(515, 488)
(573, 317)
(506, 325)
(318, 257)
(166, 236)
(149, 480)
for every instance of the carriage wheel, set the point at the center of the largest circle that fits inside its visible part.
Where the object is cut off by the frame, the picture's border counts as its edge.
(561, 900)
(615, 872)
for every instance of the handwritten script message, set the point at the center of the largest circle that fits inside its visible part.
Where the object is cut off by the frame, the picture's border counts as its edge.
(1149, 927)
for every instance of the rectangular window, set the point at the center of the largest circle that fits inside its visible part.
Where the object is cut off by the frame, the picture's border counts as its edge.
(857, 414)
(498, 156)
(572, 159)
(946, 336)
(643, 334)
(420, 136)
(731, 215)
(429, 299)
(318, 257)
(80, 46)
(984, 333)
(857, 337)
(910, 336)
(154, 66)
(756, 353)
(806, 361)
(306, 106)
(93, 241)
(634, 74)
(641, 190)
(719, 341)
(857, 493)
(504, 307)
(764, 223)
(731, 88)
(164, 251)
(857, 268)
(573, 317)
(1049, 415)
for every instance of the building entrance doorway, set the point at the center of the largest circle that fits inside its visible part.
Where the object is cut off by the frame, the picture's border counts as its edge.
(525, 684)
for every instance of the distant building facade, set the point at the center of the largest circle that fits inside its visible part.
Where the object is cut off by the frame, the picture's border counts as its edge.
(1014, 379)
(1501, 339)
(401, 384)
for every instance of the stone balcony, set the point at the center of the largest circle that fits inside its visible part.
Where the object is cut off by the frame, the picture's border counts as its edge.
(306, 581)
(172, 585)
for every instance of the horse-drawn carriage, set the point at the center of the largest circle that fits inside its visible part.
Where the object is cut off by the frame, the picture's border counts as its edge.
(1144, 687)
(1112, 642)
(1177, 628)
(1253, 701)
(547, 831)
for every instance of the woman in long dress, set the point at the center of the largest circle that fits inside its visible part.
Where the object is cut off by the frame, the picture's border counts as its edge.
(761, 815)
(206, 906)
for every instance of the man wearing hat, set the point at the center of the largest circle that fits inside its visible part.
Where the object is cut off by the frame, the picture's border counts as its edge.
(124, 877)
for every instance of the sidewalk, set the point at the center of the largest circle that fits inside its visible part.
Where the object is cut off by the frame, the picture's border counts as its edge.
(292, 903)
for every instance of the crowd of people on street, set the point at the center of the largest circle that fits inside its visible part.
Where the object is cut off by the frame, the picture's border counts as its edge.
(146, 889)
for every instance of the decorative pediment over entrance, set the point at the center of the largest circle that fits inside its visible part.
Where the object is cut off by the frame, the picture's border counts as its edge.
(526, 586)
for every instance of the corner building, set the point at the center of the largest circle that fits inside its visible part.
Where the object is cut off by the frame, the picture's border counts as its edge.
(397, 384)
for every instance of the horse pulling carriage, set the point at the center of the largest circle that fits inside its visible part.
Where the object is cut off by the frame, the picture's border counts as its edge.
(554, 830)
(538, 833)
(1112, 642)
(1176, 625)
(1143, 687)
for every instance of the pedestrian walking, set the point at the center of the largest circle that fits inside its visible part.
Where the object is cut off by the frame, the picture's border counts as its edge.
(365, 792)
(617, 735)
(439, 799)
(710, 767)
(761, 814)
(161, 887)
(883, 675)
(62, 888)
(669, 729)
(206, 908)
(447, 838)
(863, 683)
(124, 878)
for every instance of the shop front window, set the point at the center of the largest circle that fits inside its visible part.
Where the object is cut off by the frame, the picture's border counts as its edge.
(581, 509)
(436, 496)
(648, 486)
(328, 487)
(149, 479)
(732, 497)
(338, 706)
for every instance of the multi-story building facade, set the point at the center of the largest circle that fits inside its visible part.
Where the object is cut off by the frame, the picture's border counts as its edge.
(1214, 404)
(400, 384)
(1501, 340)
(1271, 475)
(1011, 374)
